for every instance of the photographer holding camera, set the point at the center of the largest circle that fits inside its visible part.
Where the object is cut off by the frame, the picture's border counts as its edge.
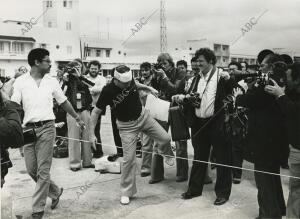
(79, 95)
(11, 133)
(206, 115)
(267, 136)
(288, 99)
(170, 81)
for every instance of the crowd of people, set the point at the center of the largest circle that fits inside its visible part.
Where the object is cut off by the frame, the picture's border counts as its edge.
(237, 113)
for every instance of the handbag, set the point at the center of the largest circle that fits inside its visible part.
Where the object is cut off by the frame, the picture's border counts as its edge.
(179, 127)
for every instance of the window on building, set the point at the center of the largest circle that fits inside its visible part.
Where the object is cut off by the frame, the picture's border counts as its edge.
(107, 52)
(69, 49)
(67, 4)
(49, 4)
(1, 47)
(68, 25)
(88, 52)
(98, 53)
(2, 72)
(17, 47)
(49, 24)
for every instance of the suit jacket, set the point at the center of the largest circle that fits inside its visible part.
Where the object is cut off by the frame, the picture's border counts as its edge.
(291, 109)
(267, 136)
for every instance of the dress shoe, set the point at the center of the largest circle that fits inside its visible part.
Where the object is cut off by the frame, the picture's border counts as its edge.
(152, 181)
(75, 169)
(55, 201)
(37, 215)
(220, 201)
(90, 166)
(97, 155)
(189, 195)
(144, 174)
(236, 181)
(180, 179)
(125, 200)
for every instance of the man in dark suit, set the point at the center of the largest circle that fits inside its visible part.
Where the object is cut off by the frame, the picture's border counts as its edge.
(289, 102)
(207, 125)
(267, 138)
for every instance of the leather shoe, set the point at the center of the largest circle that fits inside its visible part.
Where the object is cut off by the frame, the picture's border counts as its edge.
(75, 169)
(55, 201)
(37, 215)
(152, 181)
(220, 201)
(90, 166)
(189, 195)
(144, 174)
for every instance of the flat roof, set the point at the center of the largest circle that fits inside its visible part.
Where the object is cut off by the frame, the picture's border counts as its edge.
(30, 39)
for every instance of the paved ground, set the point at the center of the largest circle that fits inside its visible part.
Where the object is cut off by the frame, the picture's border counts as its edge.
(101, 199)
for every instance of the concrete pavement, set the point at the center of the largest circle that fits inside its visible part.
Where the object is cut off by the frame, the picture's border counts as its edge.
(88, 194)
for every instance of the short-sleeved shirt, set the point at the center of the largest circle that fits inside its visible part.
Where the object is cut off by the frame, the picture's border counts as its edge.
(125, 102)
(37, 101)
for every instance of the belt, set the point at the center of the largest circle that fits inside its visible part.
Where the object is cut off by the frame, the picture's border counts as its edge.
(38, 124)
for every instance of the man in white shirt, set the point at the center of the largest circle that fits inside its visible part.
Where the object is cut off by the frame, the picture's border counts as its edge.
(100, 81)
(207, 126)
(35, 91)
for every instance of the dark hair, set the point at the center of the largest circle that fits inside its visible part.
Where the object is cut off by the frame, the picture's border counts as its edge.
(295, 68)
(208, 54)
(262, 54)
(246, 64)
(37, 54)
(94, 62)
(278, 65)
(145, 65)
(181, 62)
(287, 59)
(238, 65)
(83, 69)
(194, 59)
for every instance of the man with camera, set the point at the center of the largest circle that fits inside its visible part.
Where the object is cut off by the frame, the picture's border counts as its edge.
(288, 99)
(78, 94)
(11, 133)
(267, 136)
(35, 91)
(95, 77)
(205, 111)
(170, 81)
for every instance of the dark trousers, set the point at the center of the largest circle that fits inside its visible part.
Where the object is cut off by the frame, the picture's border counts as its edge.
(202, 142)
(98, 151)
(270, 195)
(116, 134)
(237, 158)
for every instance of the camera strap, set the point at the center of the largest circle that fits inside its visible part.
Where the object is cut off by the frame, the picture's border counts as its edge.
(208, 80)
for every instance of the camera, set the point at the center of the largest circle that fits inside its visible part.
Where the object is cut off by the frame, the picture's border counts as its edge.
(157, 66)
(193, 98)
(4, 79)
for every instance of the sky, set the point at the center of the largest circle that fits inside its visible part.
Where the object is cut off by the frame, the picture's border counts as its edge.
(220, 21)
